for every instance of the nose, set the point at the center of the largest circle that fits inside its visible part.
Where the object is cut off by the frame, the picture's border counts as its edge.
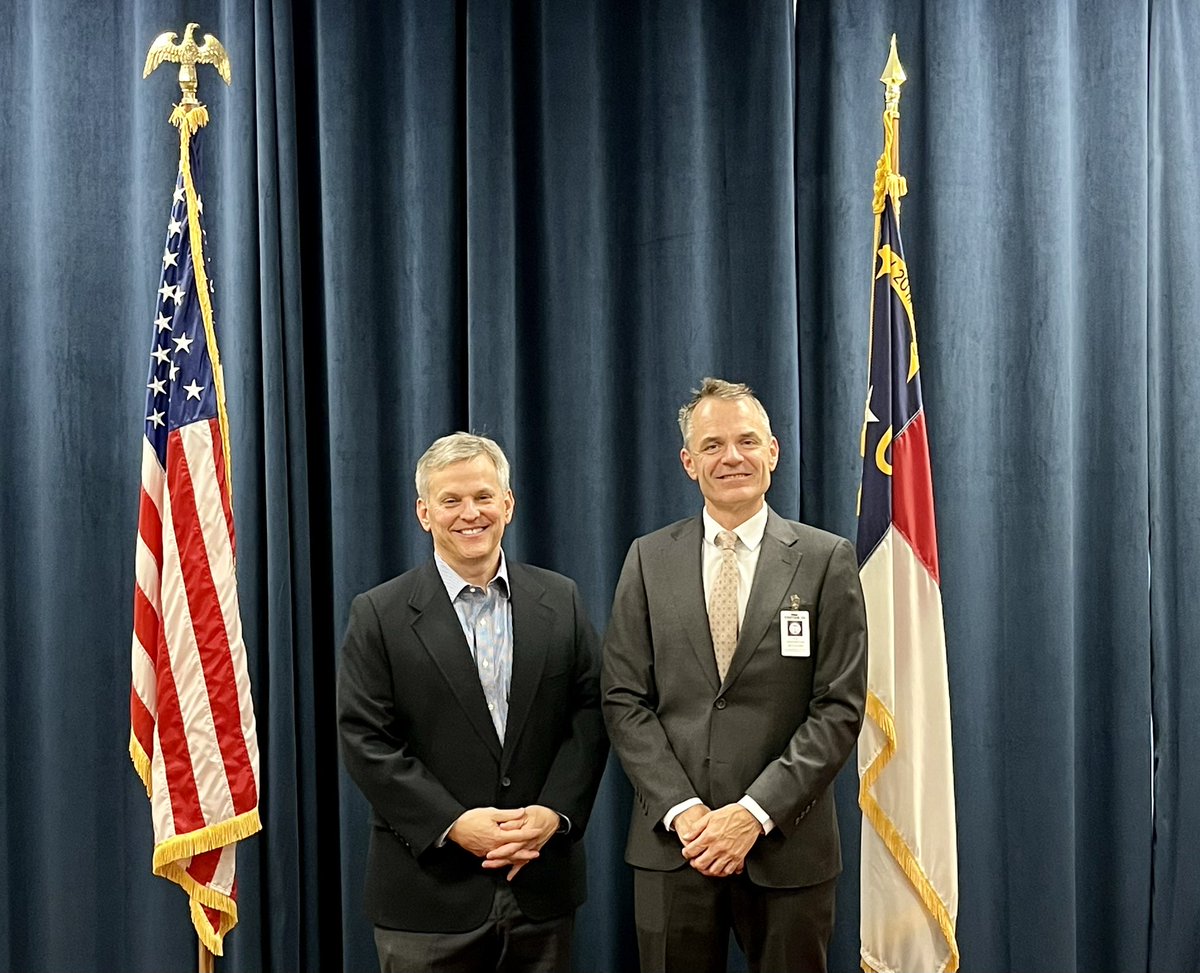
(469, 510)
(731, 455)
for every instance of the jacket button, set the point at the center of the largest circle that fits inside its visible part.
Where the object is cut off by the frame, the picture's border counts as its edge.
(720, 703)
(505, 782)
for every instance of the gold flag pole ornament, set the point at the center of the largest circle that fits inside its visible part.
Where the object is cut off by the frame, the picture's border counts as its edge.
(187, 55)
(888, 181)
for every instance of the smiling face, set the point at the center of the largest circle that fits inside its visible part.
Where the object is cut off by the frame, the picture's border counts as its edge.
(466, 511)
(730, 454)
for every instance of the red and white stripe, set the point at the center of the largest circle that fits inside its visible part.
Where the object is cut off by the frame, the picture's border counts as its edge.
(191, 710)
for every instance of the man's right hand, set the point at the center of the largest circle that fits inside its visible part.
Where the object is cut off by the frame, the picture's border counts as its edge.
(478, 830)
(685, 822)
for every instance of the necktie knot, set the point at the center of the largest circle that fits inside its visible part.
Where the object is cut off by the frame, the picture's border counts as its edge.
(726, 540)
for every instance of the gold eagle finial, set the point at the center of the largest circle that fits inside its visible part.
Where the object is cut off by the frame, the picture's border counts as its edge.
(187, 55)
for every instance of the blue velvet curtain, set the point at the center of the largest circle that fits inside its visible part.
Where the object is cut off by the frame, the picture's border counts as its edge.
(545, 221)
(1050, 157)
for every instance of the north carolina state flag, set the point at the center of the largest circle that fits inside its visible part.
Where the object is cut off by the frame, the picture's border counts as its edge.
(906, 789)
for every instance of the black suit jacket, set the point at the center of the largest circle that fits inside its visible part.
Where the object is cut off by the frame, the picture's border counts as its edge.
(777, 728)
(418, 740)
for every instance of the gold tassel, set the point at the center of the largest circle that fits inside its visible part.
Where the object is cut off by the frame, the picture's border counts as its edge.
(214, 943)
(206, 839)
(141, 763)
(893, 840)
(192, 119)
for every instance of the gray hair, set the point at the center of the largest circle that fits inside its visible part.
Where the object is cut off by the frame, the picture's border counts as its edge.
(718, 388)
(455, 448)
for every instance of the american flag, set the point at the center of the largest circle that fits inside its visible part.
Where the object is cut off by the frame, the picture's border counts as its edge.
(909, 884)
(192, 737)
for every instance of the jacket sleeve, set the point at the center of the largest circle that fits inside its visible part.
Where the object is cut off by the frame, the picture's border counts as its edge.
(630, 698)
(413, 803)
(789, 785)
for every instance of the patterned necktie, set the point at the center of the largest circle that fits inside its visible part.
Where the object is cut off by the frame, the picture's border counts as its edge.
(723, 605)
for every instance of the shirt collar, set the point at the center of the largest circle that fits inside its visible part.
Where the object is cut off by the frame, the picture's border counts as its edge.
(455, 583)
(750, 532)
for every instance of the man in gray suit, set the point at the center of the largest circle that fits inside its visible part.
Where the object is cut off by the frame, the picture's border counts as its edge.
(733, 687)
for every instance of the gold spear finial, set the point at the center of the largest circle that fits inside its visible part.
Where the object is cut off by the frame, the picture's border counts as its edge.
(893, 76)
(187, 55)
(887, 170)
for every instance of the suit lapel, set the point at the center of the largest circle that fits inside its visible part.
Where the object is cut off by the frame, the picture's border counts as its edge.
(532, 619)
(683, 574)
(777, 563)
(437, 627)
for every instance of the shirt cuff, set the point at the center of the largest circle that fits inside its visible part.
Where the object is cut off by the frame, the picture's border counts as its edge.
(763, 818)
(677, 810)
(564, 823)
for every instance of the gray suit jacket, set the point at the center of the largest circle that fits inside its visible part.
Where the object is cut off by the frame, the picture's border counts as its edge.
(778, 728)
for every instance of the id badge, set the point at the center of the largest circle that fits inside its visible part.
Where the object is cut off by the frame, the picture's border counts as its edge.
(793, 634)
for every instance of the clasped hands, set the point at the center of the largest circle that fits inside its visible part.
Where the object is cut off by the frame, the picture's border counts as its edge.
(505, 837)
(716, 843)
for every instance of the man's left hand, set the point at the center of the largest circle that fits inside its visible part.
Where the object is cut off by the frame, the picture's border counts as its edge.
(723, 840)
(525, 842)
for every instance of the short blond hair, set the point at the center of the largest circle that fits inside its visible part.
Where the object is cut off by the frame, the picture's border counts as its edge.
(718, 388)
(455, 448)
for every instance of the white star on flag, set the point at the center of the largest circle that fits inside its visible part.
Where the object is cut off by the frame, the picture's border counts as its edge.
(193, 390)
(163, 322)
(170, 259)
(162, 353)
(868, 415)
(155, 417)
(183, 343)
(158, 386)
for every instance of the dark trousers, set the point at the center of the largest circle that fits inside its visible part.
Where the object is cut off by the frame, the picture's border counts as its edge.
(506, 943)
(684, 920)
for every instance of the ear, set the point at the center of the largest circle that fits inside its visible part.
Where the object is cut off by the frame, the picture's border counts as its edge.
(423, 514)
(510, 503)
(689, 464)
(774, 453)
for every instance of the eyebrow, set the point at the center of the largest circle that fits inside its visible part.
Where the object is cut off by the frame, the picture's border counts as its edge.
(744, 434)
(459, 494)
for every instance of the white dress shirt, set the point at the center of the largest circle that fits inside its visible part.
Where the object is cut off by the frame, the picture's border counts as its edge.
(749, 546)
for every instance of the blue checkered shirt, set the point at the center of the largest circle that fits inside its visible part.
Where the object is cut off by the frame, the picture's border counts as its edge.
(486, 618)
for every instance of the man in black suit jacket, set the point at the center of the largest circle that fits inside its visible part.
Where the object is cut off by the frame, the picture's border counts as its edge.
(468, 706)
(732, 720)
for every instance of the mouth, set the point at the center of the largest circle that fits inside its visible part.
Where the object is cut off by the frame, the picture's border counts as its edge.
(735, 476)
(471, 531)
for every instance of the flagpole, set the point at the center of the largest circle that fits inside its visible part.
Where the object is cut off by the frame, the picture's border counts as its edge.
(909, 862)
(189, 116)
